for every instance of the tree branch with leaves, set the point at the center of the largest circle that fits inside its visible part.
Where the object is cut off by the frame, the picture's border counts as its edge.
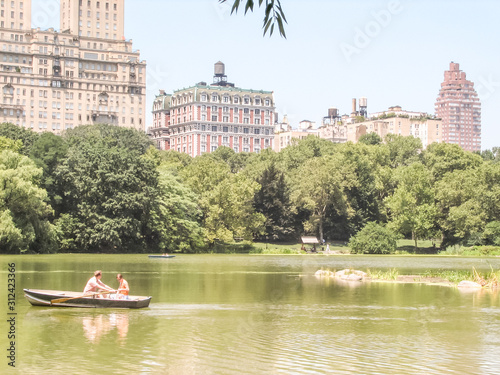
(274, 14)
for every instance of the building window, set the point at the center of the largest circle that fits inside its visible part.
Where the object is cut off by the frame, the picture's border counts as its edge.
(214, 117)
(214, 128)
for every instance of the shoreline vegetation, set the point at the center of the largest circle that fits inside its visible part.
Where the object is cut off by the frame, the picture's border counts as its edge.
(457, 278)
(404, 247)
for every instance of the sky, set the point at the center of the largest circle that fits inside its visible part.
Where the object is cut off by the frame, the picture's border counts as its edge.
(393, 52)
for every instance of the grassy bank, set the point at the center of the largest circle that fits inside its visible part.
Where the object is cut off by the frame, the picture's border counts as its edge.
(404, 247)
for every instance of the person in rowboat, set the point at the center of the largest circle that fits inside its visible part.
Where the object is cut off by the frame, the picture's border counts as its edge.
(123, 289)
(95, 284)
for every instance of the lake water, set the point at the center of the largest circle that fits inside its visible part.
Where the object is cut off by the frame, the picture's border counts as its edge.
(253, 314)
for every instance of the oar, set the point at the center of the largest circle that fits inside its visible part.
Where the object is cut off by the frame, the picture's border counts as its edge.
(61, 300)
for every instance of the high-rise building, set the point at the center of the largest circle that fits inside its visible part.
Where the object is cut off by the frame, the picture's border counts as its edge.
(15, 15)
(201, 118)
(459, 108)
(87, 73)
(93, 19)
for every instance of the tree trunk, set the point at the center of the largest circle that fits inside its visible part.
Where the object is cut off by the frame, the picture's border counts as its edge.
(414, 235)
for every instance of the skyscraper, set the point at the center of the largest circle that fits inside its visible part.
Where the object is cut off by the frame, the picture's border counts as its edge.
(459, 107)
(86, 73)
(93, 18)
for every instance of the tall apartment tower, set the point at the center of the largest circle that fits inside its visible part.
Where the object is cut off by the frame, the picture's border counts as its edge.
(15, 14)
(93, 18)
(459, 108)
(86, 73)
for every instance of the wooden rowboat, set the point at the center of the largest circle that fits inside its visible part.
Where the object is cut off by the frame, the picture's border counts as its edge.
(39, 297)
(161, 256)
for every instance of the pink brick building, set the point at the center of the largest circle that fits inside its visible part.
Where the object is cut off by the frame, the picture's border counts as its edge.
(201, 118)
(460, 110)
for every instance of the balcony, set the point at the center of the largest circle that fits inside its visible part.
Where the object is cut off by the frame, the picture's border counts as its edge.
(104, 117)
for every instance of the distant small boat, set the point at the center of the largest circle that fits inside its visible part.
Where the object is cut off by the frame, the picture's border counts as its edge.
(61, 298)
(161, 256)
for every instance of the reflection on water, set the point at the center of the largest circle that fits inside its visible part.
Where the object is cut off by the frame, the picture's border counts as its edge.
(97, 325)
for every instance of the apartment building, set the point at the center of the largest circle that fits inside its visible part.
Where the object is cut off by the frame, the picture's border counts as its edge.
(401, 122)
(201, 118)
(459, 108)
(86, 73)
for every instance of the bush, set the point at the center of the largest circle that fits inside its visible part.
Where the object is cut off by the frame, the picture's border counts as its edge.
(482, 250)
(491, 234)
(373, 239)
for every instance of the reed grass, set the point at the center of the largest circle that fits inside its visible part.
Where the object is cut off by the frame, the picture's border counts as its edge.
(391, 274)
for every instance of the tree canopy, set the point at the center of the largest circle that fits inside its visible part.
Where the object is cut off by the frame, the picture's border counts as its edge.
(102, 188)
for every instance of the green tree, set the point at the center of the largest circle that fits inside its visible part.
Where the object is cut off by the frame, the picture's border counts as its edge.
(225, 198)
(374, 239)
(491, 234)
(229, 213)
(110, 191)
(177, 216)
(24, 214)
(112, 136)
(492, 155)
(48, 151)
(320, 185)
(411, 207)
(26, 136)
(467, 200)
(364, 196)
(402, 150)
(10, 144)
(235, 161)
(370, 139)
(273, 201)
(293, 156)
(204, 174)
(442, 158)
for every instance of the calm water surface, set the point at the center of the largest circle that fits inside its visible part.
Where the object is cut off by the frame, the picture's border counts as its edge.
(244, 314)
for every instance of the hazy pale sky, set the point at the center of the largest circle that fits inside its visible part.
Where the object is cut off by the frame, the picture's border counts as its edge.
(392, 52)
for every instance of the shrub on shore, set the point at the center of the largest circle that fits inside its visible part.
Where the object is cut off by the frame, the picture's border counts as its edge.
(373, 239)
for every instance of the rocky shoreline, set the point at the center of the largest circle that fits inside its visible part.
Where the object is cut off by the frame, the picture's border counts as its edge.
(360, 276)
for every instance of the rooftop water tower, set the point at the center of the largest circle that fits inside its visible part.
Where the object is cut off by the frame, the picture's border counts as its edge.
(220, 78)
(363, 107)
